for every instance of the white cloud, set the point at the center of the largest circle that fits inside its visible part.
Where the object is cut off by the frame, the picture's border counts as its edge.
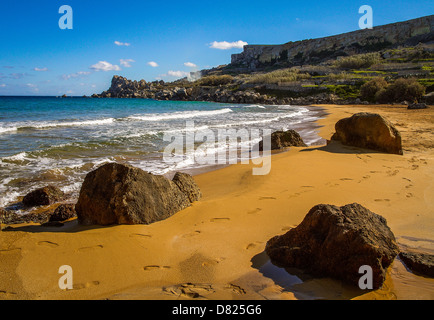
(190, 65)
(126, 44)
(224, 45)
(105, 66)
(153, 64)
(178, 74)
(33, 87)
(40, 69)
(2, 85)
(78, 74)
(126, 62)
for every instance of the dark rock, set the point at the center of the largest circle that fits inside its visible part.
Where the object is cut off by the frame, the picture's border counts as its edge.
(188, 186)
(121, 194)
(416, 106)
(335, 242)
(9, 217)
(43, 196)
(420, 263)
(63, 212)
(284, 139)
(369, 130)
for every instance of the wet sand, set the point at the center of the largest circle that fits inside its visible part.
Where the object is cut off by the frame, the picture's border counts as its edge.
(215, 249)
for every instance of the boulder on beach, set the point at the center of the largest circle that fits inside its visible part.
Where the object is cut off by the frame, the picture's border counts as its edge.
(121, 194)
(335, 242)
(420, 263)
(43, 196)
(284, 139)
(370, 131)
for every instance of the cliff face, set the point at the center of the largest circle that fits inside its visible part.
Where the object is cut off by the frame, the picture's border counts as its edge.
(411, 32)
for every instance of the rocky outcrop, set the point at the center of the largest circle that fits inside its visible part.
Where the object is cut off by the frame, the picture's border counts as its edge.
(411, 32)
(43, 196)
(284, 139)
(335, 242)
(420, 263)
(9, 217)
(122, 194)
(370, 131)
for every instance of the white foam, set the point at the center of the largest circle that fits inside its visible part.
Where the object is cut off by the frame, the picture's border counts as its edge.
(179, 115)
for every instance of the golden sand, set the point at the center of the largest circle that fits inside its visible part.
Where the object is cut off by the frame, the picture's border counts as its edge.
(214, 249)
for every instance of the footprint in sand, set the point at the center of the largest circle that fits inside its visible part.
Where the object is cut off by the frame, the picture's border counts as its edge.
(155, 267)
(80, 286)
(189, 290)
(346, 179)
(391, 173)
(91, 248)
(236, 289)
(48, 244)
(267, 198)
(254, 211)
(191, 234)
(10, 251)
(220, 219)
(253, 245)
(409, 195)
(140, 235)
(5, 294)
(381, 200)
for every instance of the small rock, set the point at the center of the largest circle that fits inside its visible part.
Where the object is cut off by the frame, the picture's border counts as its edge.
(420, 263)
(43, 196)
(63, 212)
(416, 106)
(284, 139)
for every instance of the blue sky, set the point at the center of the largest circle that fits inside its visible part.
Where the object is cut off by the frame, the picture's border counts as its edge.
(124, 37)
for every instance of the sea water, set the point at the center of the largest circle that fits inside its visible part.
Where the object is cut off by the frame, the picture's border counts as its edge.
(52, 140)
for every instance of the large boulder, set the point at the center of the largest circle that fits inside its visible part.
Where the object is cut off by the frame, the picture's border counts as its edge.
(43, 196)
(122, 194)
(369, 130)
(335, 242)
(284, 139)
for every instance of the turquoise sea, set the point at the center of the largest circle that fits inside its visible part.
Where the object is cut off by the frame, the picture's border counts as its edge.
(52, 140)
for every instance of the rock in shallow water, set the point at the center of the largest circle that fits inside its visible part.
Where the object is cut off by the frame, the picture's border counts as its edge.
(122, 194)
(43, 196)
(335, 242)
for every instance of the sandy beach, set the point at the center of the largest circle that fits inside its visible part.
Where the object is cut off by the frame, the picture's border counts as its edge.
(215, 248)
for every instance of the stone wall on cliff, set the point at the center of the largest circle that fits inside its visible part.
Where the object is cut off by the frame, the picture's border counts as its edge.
(411, 32)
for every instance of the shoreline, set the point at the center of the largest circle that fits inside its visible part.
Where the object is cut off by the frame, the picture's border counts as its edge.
(215, 248)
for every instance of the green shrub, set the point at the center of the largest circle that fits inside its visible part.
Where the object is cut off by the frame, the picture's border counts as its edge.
(358, 61)
(401, 90)
(216, 80)
(369, 90)
(282, 75)
(406, 90)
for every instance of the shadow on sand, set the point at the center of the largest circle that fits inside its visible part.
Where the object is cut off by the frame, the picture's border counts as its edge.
(302, 285)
